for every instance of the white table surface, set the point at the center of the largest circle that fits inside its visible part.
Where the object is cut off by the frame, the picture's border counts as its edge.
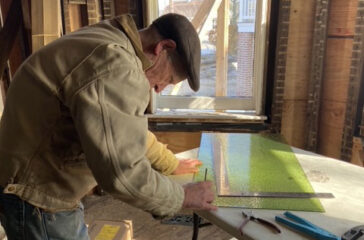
(346, 210)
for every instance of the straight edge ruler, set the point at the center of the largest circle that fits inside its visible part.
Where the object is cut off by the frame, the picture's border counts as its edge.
(280, 195)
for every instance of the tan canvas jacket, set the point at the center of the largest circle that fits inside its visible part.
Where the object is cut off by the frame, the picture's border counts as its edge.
(74, 117)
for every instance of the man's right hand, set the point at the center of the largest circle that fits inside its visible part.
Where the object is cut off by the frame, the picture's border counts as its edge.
(199, 196)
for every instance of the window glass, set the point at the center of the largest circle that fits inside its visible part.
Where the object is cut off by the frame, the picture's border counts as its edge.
(240, 66)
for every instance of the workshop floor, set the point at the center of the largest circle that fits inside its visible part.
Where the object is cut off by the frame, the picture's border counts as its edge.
(145, 227)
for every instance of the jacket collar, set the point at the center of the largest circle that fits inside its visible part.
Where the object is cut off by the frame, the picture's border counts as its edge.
(128, 26)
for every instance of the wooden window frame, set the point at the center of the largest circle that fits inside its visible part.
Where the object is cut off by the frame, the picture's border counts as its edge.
(254, 104)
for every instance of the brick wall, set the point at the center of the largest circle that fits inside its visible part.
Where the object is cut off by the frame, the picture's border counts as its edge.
(245, 64)
(109, 10)
(356, 71)
(93, 11)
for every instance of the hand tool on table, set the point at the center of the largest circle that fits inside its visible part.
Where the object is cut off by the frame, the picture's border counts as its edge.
(250, 217)
(356, 233)
(304, 226)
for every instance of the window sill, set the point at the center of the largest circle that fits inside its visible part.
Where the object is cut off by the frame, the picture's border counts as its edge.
(206, 116)
(192, 121)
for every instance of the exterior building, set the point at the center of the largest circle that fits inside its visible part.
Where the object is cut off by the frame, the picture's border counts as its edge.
(246, 29)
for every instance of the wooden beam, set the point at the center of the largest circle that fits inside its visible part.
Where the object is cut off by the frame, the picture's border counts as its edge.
(337, 69)
(74, 16)
(293, 114)
(342, 17)
(297, 72)
(203, 12)
(357, 156)
(334, 96)
(46, 22)
(222, 43)
(331, 128)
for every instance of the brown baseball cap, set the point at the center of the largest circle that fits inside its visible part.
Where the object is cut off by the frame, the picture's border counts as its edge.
(180, 29)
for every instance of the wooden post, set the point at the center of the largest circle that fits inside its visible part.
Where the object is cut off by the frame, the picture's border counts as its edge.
(336, 78)
(74, 16)
(222, 48)
(334, 95)
(203, 12)
(297, 72)
(46, 22)
(357, 156)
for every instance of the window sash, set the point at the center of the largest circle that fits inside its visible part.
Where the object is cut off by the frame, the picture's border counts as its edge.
(224, 103)
(205, 103)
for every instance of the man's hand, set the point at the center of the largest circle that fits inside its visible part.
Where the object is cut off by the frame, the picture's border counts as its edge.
(199, 196)
(187, 166)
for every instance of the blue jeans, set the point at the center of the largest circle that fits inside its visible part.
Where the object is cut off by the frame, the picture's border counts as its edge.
(24, 221)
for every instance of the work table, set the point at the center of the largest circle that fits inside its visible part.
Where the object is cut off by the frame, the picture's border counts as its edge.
(345, 211)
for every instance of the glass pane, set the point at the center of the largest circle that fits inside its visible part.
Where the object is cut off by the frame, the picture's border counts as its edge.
(241, 162)
(240, 50)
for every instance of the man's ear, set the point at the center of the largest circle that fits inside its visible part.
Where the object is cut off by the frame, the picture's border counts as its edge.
(164, 44)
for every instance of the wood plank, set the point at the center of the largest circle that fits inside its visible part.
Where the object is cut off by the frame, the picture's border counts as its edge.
(222, 43)
(297, 75)
(357, 156)
(74, 13)
(342, 17)
(299, 49)
(208, 117)
(293, 123)
(46, 22)
(203, 12)
(179, 141)
(331, 128)
(337, 69)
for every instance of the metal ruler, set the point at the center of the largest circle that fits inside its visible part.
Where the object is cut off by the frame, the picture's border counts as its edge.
(280, 195)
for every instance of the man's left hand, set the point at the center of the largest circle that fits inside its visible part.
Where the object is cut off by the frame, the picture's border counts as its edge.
(187, 166)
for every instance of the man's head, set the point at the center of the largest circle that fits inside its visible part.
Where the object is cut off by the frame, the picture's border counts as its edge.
(172, 44)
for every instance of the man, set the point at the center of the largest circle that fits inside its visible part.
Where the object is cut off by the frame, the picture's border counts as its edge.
(74, 118)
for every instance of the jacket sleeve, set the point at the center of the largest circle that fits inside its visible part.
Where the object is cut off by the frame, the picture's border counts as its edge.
(109, 116)
(161, 158)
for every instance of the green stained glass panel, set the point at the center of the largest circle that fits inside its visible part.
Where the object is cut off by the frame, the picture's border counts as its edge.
(239, 163)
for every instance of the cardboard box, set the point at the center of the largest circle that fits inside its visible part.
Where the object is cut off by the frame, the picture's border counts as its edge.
(111, 230)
